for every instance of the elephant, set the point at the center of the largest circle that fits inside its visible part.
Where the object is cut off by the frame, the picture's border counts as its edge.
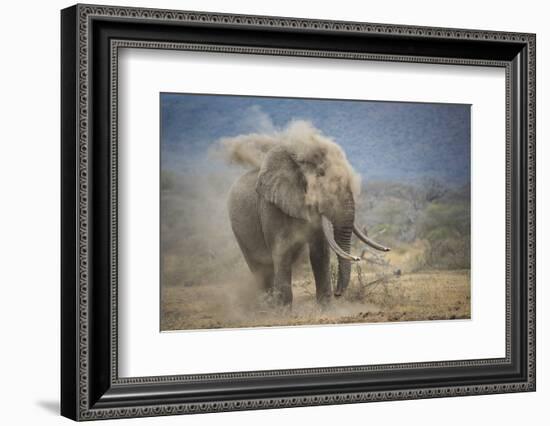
(300, 193)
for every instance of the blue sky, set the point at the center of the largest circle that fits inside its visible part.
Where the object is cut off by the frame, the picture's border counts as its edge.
(382, 140)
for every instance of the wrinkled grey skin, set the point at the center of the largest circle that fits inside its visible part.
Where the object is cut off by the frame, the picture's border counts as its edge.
(271, 224)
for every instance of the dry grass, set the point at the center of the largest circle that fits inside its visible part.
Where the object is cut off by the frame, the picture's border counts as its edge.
(376, 296)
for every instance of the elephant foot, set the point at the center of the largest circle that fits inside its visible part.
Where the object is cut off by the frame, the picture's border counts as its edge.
(281, 298)
(324, 300)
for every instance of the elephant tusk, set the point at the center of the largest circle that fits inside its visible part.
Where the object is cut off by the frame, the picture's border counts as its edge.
(327, 231)
(367, 240)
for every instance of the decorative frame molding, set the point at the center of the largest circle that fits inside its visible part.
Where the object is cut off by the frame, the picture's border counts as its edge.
(91, 388)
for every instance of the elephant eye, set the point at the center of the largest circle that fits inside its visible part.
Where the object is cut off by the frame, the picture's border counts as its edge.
(321, 173)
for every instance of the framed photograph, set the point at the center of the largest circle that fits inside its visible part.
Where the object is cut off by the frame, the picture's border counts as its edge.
(263, 212)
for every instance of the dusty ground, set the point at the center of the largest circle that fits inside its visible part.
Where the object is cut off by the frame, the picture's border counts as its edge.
(378, 296)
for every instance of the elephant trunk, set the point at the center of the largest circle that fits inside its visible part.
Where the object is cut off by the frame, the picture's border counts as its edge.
(342, 236)
(343, 228)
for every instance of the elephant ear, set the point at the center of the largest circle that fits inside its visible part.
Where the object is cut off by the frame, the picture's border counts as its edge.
(281, 182)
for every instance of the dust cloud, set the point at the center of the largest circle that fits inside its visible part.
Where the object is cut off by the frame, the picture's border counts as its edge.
(321, 160)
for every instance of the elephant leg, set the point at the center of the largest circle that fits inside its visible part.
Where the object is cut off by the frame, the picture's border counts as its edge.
(264, 275)
(319, 256)
(268, 276)
(262, 271)
(282, 279)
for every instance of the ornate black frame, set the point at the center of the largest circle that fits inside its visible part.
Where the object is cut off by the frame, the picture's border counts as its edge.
(91, 37)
